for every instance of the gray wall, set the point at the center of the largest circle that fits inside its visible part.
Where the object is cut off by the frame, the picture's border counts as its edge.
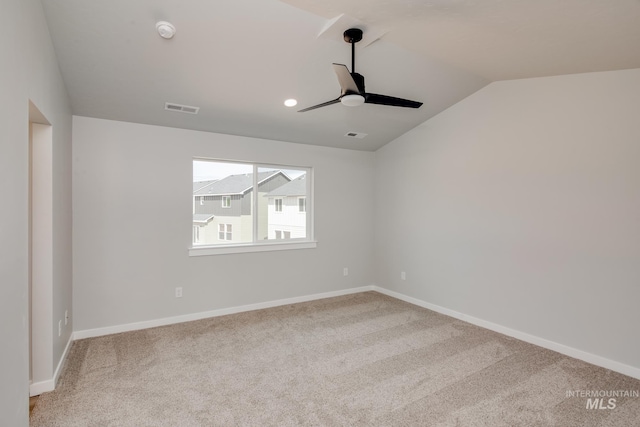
(131, 238)
(520, 206)
(29, 72)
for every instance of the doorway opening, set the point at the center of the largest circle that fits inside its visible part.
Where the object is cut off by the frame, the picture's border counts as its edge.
(40, 252)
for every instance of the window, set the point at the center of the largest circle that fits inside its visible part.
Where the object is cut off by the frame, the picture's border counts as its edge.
(283, 234)
(263, 212)
(225, 232)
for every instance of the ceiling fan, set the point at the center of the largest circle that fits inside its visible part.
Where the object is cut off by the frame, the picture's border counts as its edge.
(352, 91)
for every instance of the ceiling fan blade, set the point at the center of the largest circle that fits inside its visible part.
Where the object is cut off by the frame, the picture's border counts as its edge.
(374, 98)
(324, 104)
(347, 84)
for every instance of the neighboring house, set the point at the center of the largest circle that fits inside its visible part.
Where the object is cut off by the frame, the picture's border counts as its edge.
(287, 210)
(197, 186)
(223, 209)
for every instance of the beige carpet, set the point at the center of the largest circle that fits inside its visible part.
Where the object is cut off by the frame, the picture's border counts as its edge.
(357, 360)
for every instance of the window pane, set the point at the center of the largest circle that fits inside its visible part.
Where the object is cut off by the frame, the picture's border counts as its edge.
(278, 203)
(224, 208)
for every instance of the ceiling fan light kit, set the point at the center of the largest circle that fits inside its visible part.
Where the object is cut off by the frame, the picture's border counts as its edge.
(352, 100)
(352, 92)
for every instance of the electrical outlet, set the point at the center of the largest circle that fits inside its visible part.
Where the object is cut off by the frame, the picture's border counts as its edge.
(403, 275)
(179, 292)
(345, 271)
(66, 317)
(60, 327)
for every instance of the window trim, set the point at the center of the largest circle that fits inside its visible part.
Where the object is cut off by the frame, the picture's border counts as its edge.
(258, 245)
(251, 247)
(226, 199)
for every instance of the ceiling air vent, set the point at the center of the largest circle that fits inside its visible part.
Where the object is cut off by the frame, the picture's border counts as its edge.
(358, 135)
(181, 108)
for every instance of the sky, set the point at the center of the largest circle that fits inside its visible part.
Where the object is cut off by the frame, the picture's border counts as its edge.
(208, 170)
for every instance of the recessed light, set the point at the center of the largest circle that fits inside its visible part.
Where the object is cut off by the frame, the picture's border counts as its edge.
(291, 102)
(165, 29)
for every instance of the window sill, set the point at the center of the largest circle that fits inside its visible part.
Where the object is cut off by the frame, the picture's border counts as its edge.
(250, 247)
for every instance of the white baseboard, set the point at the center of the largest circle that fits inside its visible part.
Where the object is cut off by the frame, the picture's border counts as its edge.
(36, 389)
(532, 339)
(90, 333)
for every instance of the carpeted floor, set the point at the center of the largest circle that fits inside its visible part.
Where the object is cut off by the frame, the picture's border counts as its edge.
(358, 360)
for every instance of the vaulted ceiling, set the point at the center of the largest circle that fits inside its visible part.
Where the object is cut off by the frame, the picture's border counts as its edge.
(238, 60)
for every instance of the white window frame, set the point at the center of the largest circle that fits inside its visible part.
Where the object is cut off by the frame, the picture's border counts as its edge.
(303, 205)
(226, 202)
(196, 233)
(264, 245)
(276, 205)
(226, 230)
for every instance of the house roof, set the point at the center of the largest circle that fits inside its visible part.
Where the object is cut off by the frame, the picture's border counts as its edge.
(234, 184)
(202, 219)
(199, 185)
(297, 187)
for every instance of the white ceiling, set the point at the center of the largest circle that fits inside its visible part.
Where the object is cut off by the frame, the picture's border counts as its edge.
(239, 60)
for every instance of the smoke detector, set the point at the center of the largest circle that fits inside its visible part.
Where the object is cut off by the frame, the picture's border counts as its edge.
(165, 29)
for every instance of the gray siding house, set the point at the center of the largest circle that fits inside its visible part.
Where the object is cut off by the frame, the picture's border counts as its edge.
(223, 209)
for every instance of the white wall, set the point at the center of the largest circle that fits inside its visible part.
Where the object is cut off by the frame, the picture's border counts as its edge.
(132, 180)
(520, 206)
(29, 72)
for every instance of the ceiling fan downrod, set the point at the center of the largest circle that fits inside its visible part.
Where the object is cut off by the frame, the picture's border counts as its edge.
(353, 36)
